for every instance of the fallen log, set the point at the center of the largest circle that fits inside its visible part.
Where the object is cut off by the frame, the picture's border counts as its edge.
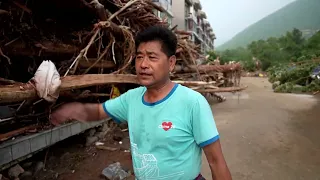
(227, 89)
(21, 92)
(102, 64)
(194, 83)
(207, 68)
(20, 48)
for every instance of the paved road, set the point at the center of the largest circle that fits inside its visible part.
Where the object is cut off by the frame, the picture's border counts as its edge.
(266, 135)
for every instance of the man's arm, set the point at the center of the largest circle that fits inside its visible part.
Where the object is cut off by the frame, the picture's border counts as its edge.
(116, 108)
(217, 163)
(206, 135)
(84, 112)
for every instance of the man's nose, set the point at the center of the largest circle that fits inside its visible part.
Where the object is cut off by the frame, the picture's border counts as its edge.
(144, 63)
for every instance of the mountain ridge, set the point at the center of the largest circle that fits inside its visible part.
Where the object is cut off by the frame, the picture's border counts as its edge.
(300, 14)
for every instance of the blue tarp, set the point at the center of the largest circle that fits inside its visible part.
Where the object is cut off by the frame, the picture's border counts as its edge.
(316, 71)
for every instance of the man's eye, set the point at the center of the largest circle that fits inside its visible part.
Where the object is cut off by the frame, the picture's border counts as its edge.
(139, 57)
(152, 57)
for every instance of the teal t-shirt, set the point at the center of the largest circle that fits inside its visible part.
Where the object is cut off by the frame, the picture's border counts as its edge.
(166, 136)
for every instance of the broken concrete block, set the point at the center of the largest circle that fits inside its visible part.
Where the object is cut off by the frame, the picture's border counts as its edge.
(103, 128)
(26, 175)
(101, 135)
(91, 140)
(114, 171)
(90, 132)
(38, 167)
(15, 171)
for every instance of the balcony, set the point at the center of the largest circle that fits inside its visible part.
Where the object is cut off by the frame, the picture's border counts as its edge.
(197, 5)
(190, 2)
(166, 4)
(192, 26)
(201, 14)
(205, 23)
(190, 14)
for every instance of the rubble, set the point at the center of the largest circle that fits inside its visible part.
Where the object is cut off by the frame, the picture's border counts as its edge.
(15, 171)
(115, 171)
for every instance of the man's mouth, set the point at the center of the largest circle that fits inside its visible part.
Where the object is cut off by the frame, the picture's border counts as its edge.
(144, 74)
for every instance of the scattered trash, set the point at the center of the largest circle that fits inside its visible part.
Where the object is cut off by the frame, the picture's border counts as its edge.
(115, 171)
(107, 148)
(99, 144)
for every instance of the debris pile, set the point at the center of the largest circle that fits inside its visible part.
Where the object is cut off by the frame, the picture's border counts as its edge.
(91, 44)
(299, 77)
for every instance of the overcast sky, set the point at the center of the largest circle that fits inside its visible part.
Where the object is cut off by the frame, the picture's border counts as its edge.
(229, 17)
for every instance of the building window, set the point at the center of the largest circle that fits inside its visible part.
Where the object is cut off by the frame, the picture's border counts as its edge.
(186, 10)
(190, 25)
(186, 25)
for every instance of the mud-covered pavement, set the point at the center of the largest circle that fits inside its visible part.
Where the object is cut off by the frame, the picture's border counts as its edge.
(269, 136)
(264, 136)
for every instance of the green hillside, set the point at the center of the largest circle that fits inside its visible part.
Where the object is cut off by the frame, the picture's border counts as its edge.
(300, 14)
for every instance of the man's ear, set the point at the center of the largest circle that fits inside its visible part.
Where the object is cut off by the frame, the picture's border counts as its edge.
(172, 62)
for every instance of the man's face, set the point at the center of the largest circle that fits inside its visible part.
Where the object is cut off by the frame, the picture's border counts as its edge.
(152, 64)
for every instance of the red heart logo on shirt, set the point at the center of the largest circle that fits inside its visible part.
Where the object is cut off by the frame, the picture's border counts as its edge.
(166, 125)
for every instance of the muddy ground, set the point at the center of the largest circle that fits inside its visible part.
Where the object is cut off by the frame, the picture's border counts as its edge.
(264, 135)
(269, 136)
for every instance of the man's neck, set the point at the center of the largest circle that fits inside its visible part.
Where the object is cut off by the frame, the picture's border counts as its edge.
(158, 92)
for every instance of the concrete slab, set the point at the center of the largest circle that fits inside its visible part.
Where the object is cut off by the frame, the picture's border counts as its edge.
(14, 151)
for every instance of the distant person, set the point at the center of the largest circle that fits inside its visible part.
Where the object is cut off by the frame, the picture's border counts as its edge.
(169, 124)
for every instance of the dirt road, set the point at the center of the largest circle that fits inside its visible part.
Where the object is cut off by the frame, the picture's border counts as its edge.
(269, 136)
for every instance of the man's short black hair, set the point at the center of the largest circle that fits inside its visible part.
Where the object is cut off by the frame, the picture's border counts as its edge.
(167, 38)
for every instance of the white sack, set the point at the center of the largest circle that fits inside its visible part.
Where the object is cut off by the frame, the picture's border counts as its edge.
(47, 81)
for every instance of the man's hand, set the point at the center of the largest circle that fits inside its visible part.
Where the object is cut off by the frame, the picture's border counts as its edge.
(66, 113)
(77, 111)
(217, 163)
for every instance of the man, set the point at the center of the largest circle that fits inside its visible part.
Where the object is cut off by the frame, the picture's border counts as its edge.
(169, 124)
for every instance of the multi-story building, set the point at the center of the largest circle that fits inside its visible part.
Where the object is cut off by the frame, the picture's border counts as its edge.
(167, 15)
(189, 16)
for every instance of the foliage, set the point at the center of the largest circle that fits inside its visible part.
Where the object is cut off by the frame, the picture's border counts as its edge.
(294, 78)
(292, 47)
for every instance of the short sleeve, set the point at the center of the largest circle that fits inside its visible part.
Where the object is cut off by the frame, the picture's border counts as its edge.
(117, 108)
(204, 127)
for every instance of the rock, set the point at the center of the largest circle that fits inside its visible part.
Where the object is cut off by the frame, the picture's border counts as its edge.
(91, 140)
(65, 155)
(114, 171)
(118, 135)
(26, 175)
(123, 126)
(90, 132)
(38, 167)
(3, 178)
(101, 135)
(26, 165)
(103, 128)
(15, 171)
